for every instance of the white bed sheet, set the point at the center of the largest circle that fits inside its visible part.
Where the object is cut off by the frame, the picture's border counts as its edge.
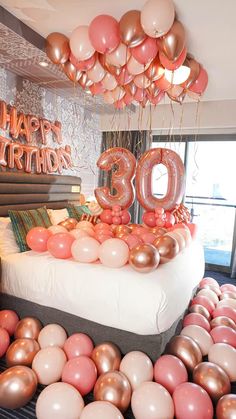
(121, 298)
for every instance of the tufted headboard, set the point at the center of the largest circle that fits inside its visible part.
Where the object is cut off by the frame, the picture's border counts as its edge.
(26, 191)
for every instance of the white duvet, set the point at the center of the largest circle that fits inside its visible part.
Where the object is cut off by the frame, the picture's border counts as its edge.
(122, 298)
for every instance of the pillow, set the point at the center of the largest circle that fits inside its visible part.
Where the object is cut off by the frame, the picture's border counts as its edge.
(8, 244)
(23, 221)
(57, 216)
(77, 211)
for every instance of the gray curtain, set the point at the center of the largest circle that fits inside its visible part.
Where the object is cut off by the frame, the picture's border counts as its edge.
(135, 141)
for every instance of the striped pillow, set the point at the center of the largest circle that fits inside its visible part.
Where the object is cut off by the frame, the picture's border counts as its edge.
(77, 211)
(23, 221)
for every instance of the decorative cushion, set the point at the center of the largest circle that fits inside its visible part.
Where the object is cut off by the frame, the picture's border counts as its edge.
(57, 216)
(8, 244)
(77, 211)
(23, 221)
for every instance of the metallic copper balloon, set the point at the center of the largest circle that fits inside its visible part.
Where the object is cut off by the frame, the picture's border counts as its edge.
(155, 71)
(29, 327)
(198, 308)
(17, 387)
(194, 72)
(107, 357)
(131, 31)
(57, 48)
(69, 223)
(226, 407)
(122, 229)
(167, 247)
(115, 388)
(84, 81)
(213, 379)
(159, 231)
(22, 352)
(185, 349)
(133, 226)
(228, 294)
(130, 88)
(222, 321)
(72, 73)
(144, 258)
(115, 71)
(179, 98)
(173, 43)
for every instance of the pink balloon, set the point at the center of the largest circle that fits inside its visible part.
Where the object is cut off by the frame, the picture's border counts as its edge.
(102, 237)
(8, 321)
(170, 371)
(85, 249)
(224, 355)
(170, 219)
(142, 81)
(132, 240)
(4, 341)
(97, 89)
(137, 367)
(192, 402)
(157, 17)
(225, 311)
(200, 336)
(104, 33)
(119, 104)
(209, 294)
(48, 364)
(78, 344)
(149, 218)
(139, 95)
(102, 226)
(203, 301)
(80, 44)
(146, 51)
(78, 233)
(118, 93)
(198, 319)
(119, 56)
(84, 225)
(230, 302)
(124, 77)
(101, 410)
(162, 84)
(200, 85)
(109, 82)
(57, 229)
(106, 215)
(52, 335)
(172, 65)
(82, 65)
(208, 280)
(114, 253)
(228, 287)
(108, 98)
(37, 239)
(139, 230)
(134, 67)
(80, 372)
(97, 72)
(128, 99)
(60, 244)
(148, 237)
(224, 334)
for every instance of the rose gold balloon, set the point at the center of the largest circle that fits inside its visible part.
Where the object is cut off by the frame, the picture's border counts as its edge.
(194, 72)
(29, 327)
(228, 294)
(167, 247)
(213, 379)
(57, 48)
(155, 71)
(17, 387)
(122, 229)
(131, 31)
(72, 73)
(144, 258)
(226, 407)
(84, 81)
(107, 357)
(198, 308)
(177, 98)
(22, 352)
(172, 43)
(185, 349)
(115, 388)
(159, 231)
(69, 223)
(222, 321)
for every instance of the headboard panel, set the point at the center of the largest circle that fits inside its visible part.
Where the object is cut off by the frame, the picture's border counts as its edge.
(27, 191)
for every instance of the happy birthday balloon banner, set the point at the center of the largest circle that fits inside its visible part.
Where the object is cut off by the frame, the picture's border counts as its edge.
(27, 156)
(138, 59)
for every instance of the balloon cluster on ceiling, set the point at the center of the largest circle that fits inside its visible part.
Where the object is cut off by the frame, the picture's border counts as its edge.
(138, 59)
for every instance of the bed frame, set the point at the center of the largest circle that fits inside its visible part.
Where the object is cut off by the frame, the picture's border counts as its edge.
(25, 191)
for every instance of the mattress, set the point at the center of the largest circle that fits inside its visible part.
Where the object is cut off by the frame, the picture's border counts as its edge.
(144, 304)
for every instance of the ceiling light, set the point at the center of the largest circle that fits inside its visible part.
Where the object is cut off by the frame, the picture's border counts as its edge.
(43, 63)
(177, 76)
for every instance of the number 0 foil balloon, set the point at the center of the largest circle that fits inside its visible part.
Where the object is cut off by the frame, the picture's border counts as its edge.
(176, 179)
(124, 162)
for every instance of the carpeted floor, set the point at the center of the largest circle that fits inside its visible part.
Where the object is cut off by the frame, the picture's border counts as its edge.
(28, 411)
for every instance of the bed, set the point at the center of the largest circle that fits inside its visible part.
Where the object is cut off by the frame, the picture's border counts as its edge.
(136, 311)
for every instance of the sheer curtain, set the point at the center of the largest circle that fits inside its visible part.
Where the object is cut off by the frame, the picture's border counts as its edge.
(135, 141)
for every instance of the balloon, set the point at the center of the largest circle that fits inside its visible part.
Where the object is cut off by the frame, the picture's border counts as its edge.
(78, 233)
(106, 357)
(167, 247)
(78, 344)
(114, 387)
(144, 258)
(209, 294)
(22, 352)
(37, 239)
(200, 84)
(97, 89)
(132, 240)
(210, 281)
(28, 327)
(176, 176)
(179, 98)
(102, 226)
(52, 335)
(162, 84)
(213, 288)
(152, 401)
(157, 17)
(108, 98)
(227, 302)
(224, 355)
(172, 44)
(198, 319)
(85, 249)
(186, 349)
(141, 81)
(84, 225)
(148, 238)
(59, 400)
(155, 71)
(192, 402)
(225, 311)
(84, 81)
(109, 82)
(172, 65)
(224, 334)
(80, 44)
(198, 308)
(59, 245)
(57, 47)
(131, 31)
(228, 287)
(8, 321)
(57, 229)
(124, 77)
(17, 387)
(71, 72)
(96, 73)
(213, 379)
(118, 93)
(104, 33)
(205, 302)
(80, 372)
(170, 371)
(139, 94)
(134, 67)
(119, 56)
(83, 65)
(146, 51)
(113, 253)
(222, 321)
(4, 341)
(101, 410)
(48, 364)
(69, 223)
(137, 367)
(226, 407)
(178, 237)
(194, 72)
(200, 336)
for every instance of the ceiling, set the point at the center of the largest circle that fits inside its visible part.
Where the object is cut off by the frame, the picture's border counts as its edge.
(210, 25)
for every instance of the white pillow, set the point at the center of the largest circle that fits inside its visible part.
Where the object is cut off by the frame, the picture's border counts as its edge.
(8, 244)
(57, 216)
